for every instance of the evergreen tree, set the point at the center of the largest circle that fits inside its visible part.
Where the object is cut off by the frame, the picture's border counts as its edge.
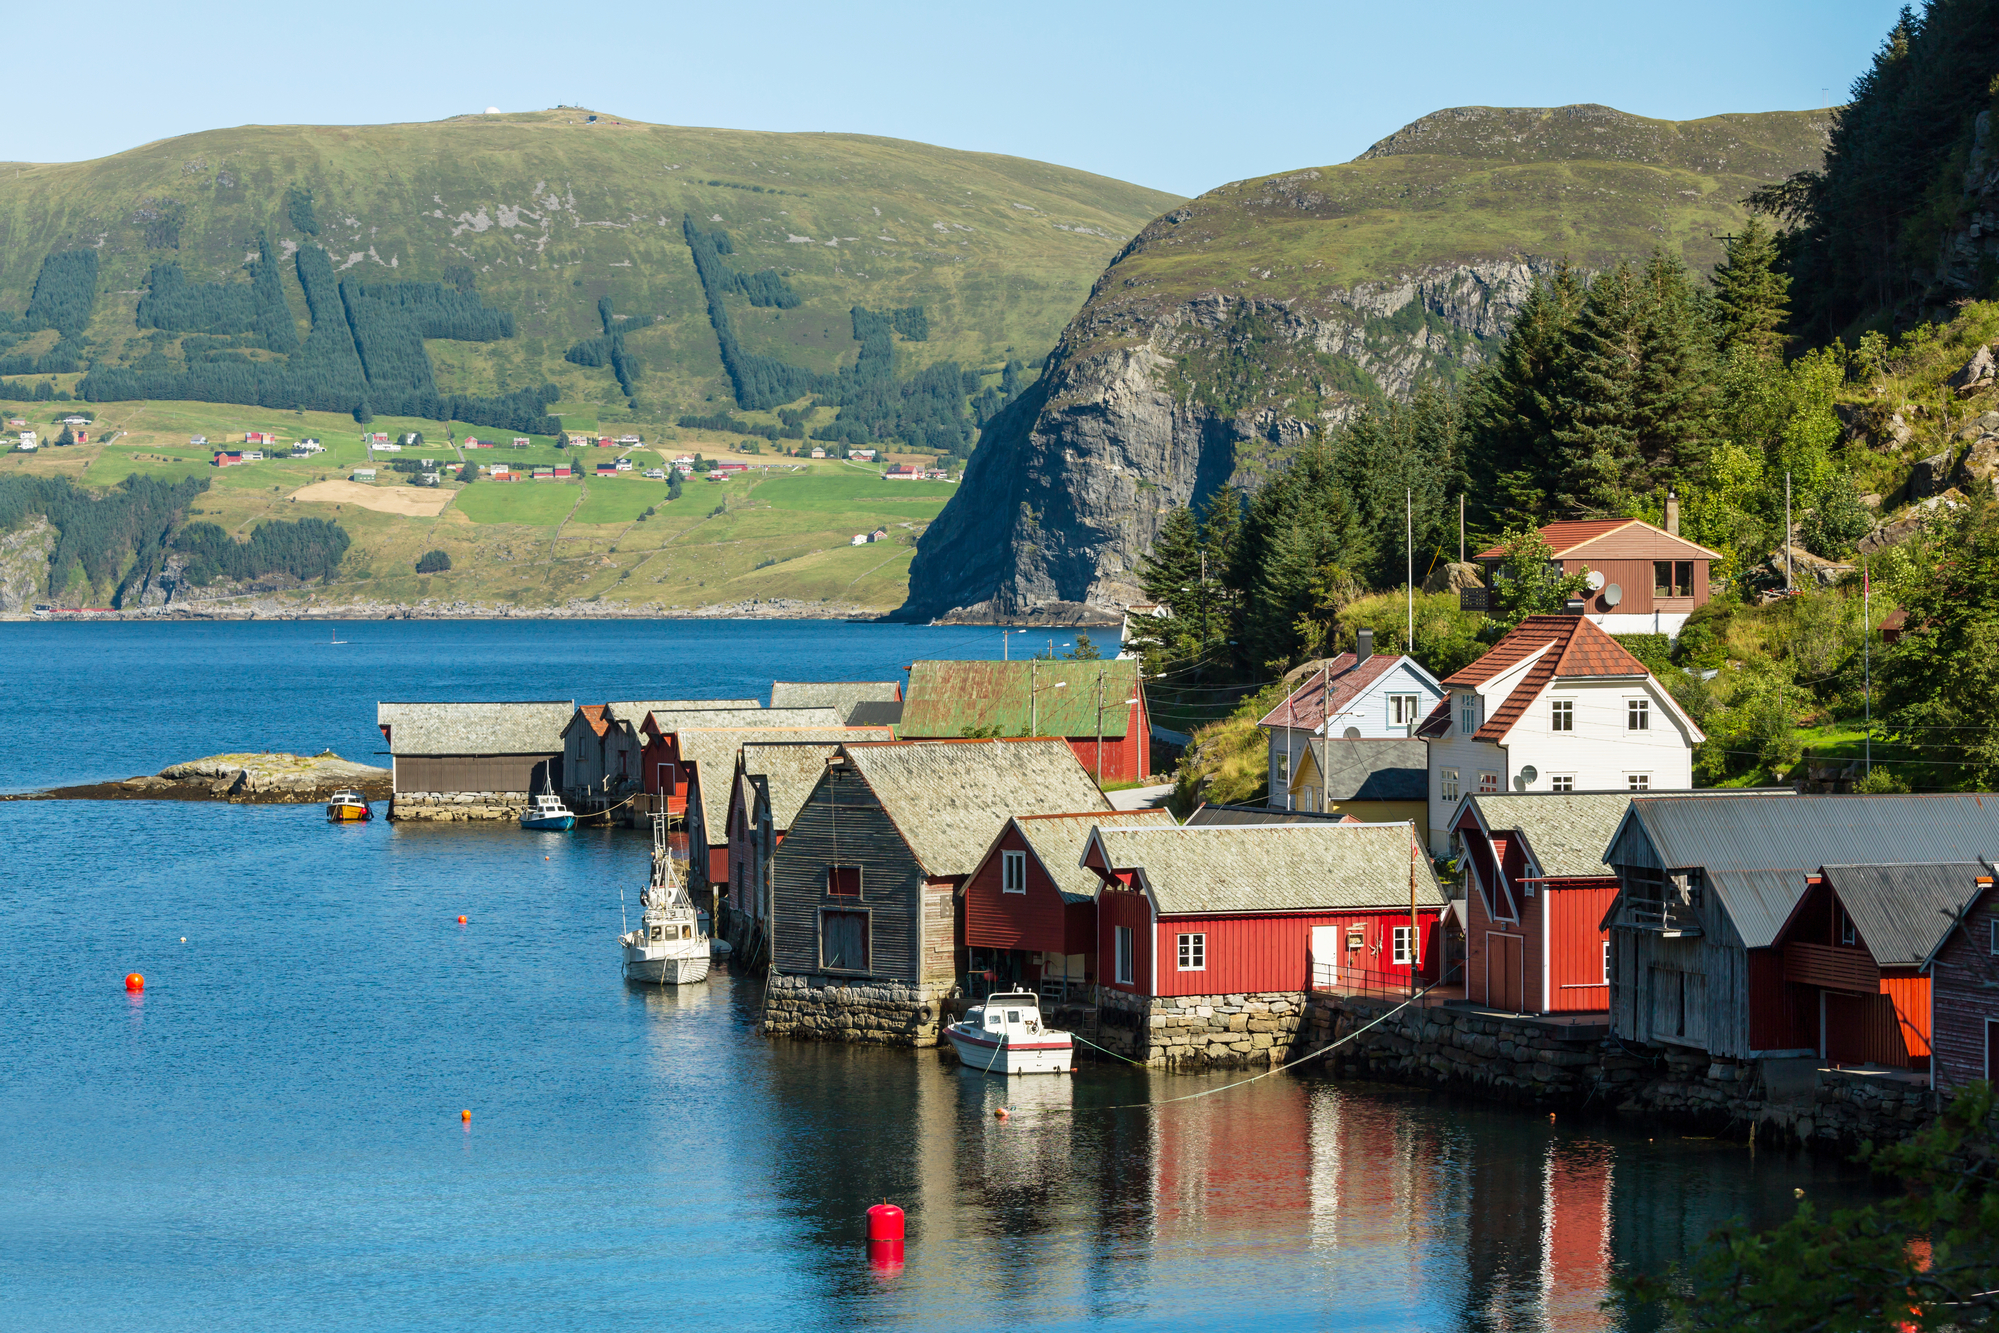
(1511, 411)
(1300, 524)
(673, 484)
(1173, 565)
(1752, 297)
(1599, 462)
(1675, 369)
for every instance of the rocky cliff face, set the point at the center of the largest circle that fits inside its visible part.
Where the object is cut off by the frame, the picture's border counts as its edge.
(24, 565)
(1233, 326)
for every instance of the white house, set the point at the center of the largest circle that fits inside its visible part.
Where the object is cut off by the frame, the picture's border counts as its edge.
(1555, 706)
(29, 443)
(1356, 696)
(307, 448)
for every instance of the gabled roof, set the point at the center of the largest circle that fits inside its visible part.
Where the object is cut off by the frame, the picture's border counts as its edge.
(1903, 912)
(1757, 850)
(840, 695)
(1565, 832)
(1212, 816)
(666, 720)
(949, 798)
(1562, 648)
(1335, 689)
(475, 728)
(948, 699)
(1058, 841)
(632, 712)
(1272, 867)
(713, 752)
(790, 770)
(1571, 540)
(591, 716)
(1372, 770)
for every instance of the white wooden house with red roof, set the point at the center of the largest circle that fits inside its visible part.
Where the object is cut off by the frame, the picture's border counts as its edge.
(1556, 705)
(1360, 696)
(1643, 580)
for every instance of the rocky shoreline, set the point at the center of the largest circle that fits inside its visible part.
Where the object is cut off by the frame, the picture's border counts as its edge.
(243, 779)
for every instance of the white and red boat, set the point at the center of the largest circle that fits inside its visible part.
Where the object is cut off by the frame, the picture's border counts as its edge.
(1005, 1035)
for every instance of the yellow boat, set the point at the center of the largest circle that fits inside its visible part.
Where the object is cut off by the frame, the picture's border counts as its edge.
(348, 807)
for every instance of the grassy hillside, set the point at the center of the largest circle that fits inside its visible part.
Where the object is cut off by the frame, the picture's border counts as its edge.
(549, 213)
(781, 535)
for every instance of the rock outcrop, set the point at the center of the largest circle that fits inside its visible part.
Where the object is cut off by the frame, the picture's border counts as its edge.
(24, 565)
(261, 778)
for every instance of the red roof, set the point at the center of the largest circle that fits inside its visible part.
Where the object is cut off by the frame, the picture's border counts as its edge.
(1569, 647)
(1333, 690)
(1571, 535)
(594, 715)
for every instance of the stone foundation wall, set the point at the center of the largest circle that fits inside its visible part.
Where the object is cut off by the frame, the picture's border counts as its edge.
(1203, 1031)
(1528, 1062)
(458, 805)
(881, 1013)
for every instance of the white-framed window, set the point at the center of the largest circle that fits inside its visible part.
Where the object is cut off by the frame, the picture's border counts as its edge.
(1561, 782)
(1308, 798)
(1467, 712)
(1401, 953)
(1194, 952)
(1606, 962)
(1562, 715)
(1401, 709)
(1488, 782)
(1121, 937)
(1638, 782)
(1013, 872)
(1447, 784)
(1637, 714)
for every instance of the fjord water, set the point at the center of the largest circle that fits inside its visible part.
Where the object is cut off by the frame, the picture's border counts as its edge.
(270, 1134)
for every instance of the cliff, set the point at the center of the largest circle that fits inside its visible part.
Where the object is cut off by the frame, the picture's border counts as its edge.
(1234, 325)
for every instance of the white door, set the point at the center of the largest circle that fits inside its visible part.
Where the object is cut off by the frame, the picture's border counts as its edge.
(1325, 955)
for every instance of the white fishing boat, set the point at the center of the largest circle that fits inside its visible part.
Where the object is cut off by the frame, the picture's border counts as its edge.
(670, 947)
(1005, 1035)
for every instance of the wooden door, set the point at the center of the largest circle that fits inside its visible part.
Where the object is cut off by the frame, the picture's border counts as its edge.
(1505, 957)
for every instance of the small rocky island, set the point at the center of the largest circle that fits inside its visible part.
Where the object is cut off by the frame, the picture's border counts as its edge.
(250, 778)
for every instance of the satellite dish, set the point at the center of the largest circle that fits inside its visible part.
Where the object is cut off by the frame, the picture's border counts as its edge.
(1529, 773)
(1595, 580)
(1351, 733)
(1613, 595)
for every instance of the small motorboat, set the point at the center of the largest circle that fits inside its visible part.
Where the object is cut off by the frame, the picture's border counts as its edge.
(670, 947)
(1005, 1035)
(547, 811)
(348, 807)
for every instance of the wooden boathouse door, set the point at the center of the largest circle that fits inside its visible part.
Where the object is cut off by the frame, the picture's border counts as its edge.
(1505, 959)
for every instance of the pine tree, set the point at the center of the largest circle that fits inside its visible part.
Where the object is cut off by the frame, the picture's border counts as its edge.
(1174, 563)
(1752, 296)
(1511, 414)
(1599, 463)
(1675, 369)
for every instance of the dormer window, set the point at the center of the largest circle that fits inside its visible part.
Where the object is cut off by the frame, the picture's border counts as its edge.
(1467, 713)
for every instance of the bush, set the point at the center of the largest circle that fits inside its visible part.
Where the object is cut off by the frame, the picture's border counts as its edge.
(433, 562)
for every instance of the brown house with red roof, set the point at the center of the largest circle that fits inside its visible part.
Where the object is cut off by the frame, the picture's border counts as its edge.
(1555, 706)
(1643, 580)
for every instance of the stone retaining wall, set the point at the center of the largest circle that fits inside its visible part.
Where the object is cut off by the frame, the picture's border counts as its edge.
(1203, 1031)
(882, 1013)
(1542, 1064)
(458, 805)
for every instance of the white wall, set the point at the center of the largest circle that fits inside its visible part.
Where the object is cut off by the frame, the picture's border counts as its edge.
(1370, 714)
(1602, 753)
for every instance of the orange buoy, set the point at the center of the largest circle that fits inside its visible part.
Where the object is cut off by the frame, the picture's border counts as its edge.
(465, 1116)
(133, 981)
(1000, 1113)
(461, 920)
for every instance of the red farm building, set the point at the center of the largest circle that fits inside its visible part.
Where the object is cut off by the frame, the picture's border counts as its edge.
(1028, 915)
(1964, 990)
(1097, 706)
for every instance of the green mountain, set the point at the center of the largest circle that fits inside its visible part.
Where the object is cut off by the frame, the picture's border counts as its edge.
(1235, 324)
(470, 262)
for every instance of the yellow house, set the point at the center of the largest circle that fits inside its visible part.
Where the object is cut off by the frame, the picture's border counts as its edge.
(1375, 781)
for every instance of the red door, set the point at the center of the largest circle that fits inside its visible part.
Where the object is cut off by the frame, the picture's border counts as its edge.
(1504, 959)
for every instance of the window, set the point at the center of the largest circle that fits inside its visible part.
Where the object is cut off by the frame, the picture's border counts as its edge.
(1847, 935)
(1013, 872)
(1637, 714)
(1562, 715)
(1561, 782)
(1488, 782)
(1467, 713)
(1672, 578)
(1638, 782)
(1308, 798)
(1606, 962)
(843, 941)
(1194, 953)
(1401, 953)
(1994, 923)
(1447, 784)
(843, 881)
(1401, 709)
(1126, 966)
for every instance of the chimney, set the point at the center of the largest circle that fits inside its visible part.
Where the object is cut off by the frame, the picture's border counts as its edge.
(1363, 645)
(1673, 512)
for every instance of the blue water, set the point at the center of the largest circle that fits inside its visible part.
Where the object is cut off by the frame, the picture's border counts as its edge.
(270, 1135)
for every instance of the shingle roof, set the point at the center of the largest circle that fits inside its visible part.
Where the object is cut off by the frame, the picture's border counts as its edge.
(1903, 912)
(1058, 842)
(1757, 850)
(840, 695)
(790, 770)
(713, 751)
(950, 698)
(475, 728)
(632, 712)
(1571, 536)
(1274, 867)
(1373, 770)
(1568, 647)
(1334, 690)
(1214, 816)
(949, 798)
(1566, 832)
(666, 720)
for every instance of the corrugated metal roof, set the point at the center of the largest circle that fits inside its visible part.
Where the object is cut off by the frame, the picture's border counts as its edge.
(949, 798)
(1758, 849)
(840, 695)
(1058, 842)
(475, 728)
(951, 698)
(790, 770)
(1903, 912)
(876, 713)
(713, 751)
(1274, 867)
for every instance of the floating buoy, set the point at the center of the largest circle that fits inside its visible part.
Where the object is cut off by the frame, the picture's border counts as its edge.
(465, 1116)
(134, 982)
(1000, 1113)
(461, 921)
(183, 939)
(885, 1224)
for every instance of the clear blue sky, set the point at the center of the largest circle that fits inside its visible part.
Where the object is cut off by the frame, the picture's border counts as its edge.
(1174, 95)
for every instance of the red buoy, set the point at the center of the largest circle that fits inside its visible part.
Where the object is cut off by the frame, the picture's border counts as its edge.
(461, 920)
(885, 1222)
(133, 981)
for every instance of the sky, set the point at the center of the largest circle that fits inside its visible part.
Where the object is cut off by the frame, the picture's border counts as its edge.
(1173, 95)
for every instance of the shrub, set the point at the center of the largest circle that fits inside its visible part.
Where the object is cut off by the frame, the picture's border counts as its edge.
(433, 562)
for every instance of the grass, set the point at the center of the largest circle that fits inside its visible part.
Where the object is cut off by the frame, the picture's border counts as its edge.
(530, 503)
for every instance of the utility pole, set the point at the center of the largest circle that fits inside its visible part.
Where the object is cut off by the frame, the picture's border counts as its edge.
(1100, 728)
(1414, 937)
(1033, 698)
(1409, 544)
(1461, 529)
(1866, 665)
(1787, 532)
